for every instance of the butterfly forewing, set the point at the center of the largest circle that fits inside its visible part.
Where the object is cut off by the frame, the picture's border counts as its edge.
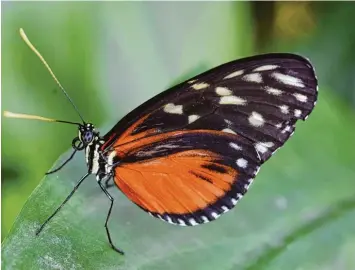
(254, 102)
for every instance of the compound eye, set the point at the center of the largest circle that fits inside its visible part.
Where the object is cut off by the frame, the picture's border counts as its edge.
(88, 137)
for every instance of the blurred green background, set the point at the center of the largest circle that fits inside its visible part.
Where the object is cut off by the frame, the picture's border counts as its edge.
(112, 56)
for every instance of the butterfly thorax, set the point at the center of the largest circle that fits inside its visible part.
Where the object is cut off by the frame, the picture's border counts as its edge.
(92, 154)
(96, 159)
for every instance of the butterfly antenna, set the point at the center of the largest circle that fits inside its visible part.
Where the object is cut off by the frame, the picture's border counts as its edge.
(36, 117)
(28, 42)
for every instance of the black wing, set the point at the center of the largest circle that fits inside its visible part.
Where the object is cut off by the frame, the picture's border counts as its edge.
(259, 98)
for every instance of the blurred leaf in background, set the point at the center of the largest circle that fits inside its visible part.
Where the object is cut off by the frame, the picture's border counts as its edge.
(113, 56)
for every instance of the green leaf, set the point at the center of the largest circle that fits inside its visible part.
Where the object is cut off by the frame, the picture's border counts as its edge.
(298, 214)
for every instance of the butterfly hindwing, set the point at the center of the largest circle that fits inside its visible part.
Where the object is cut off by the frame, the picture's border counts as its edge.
(187, 177)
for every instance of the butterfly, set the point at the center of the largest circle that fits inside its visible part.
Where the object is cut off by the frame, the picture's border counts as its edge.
(189, 154)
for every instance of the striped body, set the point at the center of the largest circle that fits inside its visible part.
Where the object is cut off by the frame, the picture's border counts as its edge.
(96, 160)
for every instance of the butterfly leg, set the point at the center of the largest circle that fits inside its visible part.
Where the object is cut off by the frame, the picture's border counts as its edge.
(107, 218)
(61, 166)
(63, 203)
(108, 184)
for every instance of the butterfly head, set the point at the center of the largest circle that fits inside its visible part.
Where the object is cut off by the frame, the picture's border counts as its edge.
(87, 135)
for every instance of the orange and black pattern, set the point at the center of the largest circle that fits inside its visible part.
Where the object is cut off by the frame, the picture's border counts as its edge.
(189, 154)
(187, 177)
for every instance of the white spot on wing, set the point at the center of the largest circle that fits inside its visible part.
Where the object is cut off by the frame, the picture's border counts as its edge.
(223, 91)
(300, 97)
(256, 119)
(193, 118)
(192, 81)
(225, 208)
(287, 79)
(228, 130)
(234, 201)
(273, 91)
(235, 146)
(263, 147)
(253, 77)
(193, 222)
(265, 67)
(169, 220)
(181, 222)
(284, 109)
(199, 86)
(242, 163)
(174, 109)
(234, 74)
(298, 113)
(286, 129)
(214, 215)
(268, 144)
(205, 219)
(233, 100)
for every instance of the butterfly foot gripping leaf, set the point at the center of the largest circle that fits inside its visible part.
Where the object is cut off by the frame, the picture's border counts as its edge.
(188, 155)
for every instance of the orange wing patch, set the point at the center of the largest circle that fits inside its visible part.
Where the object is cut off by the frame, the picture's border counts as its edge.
(179, 183)
(127, 136)
(185, 177)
